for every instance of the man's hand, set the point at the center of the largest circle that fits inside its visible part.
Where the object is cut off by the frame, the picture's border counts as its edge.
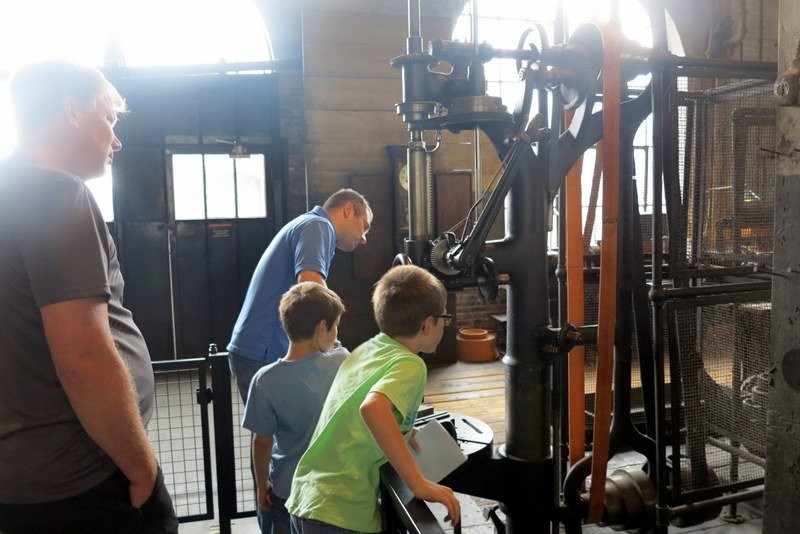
(264, 499)
(141, 490)
(89, 368)
(428, 491)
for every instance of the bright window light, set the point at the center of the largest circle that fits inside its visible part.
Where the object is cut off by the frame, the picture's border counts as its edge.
(136, 33)
(146, 32)
(216, 186)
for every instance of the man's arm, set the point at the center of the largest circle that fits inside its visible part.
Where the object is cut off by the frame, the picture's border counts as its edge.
(311, 276)
(262, 454)
(377, 413)
(99, 387)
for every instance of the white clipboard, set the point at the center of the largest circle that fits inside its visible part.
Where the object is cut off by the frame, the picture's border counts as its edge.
(439, 453)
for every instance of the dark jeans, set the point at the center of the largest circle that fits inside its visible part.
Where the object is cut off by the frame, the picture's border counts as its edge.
(103, 509)
(243, 370)
(276, 521)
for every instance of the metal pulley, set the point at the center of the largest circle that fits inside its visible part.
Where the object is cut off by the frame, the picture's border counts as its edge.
(630, 501)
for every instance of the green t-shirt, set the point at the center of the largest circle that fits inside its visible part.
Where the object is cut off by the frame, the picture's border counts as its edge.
(337, 479)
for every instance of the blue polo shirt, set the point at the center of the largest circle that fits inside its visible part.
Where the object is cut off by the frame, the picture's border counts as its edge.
(307, 243)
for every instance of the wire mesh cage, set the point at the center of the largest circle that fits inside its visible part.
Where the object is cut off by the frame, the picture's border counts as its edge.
(721, 217)
(721, 393)
(728, 131)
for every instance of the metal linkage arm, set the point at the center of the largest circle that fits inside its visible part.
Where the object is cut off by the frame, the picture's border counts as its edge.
(464, 255)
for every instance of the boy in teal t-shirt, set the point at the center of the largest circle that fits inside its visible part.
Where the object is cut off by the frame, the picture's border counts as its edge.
(286, 397)
(370, 411)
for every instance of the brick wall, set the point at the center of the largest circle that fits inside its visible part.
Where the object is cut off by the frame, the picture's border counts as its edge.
(473, 312)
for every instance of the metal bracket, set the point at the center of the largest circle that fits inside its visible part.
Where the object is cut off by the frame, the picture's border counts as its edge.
(788, 84)
(786, 88)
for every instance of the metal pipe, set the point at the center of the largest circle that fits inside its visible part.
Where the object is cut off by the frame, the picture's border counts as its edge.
(669, 60)
(560, 382)
(712, 300)
(741, 496)
(528, 381)
(658, 24)
(716, 289)
(743, 454)
(718, 272)
(474, 22)
(414, 42)
(477, 177)
(223, 440)
(418, 187)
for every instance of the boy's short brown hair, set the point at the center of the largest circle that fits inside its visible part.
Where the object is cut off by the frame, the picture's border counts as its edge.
(404, 297)
(304, 306)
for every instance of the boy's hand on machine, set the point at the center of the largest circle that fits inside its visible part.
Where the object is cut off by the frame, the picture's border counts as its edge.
(429, 491)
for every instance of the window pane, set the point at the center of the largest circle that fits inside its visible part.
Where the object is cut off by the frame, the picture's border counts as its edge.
(7, 133)
(187, 184)
(641, 174)
(220, 193)
(251, 191)
(102, 190)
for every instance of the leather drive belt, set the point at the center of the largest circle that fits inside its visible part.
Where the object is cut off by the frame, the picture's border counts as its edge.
(608, 152)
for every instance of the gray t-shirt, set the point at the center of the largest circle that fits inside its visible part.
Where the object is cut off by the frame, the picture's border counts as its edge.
(54, 247)
(284, 401)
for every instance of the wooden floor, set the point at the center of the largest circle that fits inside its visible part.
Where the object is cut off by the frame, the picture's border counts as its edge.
(476, 389)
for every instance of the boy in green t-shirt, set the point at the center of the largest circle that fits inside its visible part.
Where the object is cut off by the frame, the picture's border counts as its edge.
(369, 412)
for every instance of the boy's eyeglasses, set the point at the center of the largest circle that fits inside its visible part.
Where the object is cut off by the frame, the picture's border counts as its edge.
(446, 317)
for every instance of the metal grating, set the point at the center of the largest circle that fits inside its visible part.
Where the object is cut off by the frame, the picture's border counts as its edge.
(245, 488)
(724, 361)
(728, 131)
(721, 216)
(176, 434)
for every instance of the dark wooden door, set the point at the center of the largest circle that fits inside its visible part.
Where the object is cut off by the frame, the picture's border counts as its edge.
(186, 272)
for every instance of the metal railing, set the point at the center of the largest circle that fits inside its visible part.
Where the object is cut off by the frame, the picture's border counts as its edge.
(196, 433)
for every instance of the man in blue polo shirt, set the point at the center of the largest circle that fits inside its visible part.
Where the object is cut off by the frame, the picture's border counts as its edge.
(301, 252)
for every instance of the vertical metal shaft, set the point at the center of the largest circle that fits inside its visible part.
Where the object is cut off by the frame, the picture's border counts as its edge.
(418, 187)
(414, 73)
(528, 380)
(658, 24)
(414, 42)
(477, 185)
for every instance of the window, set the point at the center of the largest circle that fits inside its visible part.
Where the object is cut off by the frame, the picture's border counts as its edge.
(133, 33)
(216, 186)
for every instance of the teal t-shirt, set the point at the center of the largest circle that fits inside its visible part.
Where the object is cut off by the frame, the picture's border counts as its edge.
(337, 479)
